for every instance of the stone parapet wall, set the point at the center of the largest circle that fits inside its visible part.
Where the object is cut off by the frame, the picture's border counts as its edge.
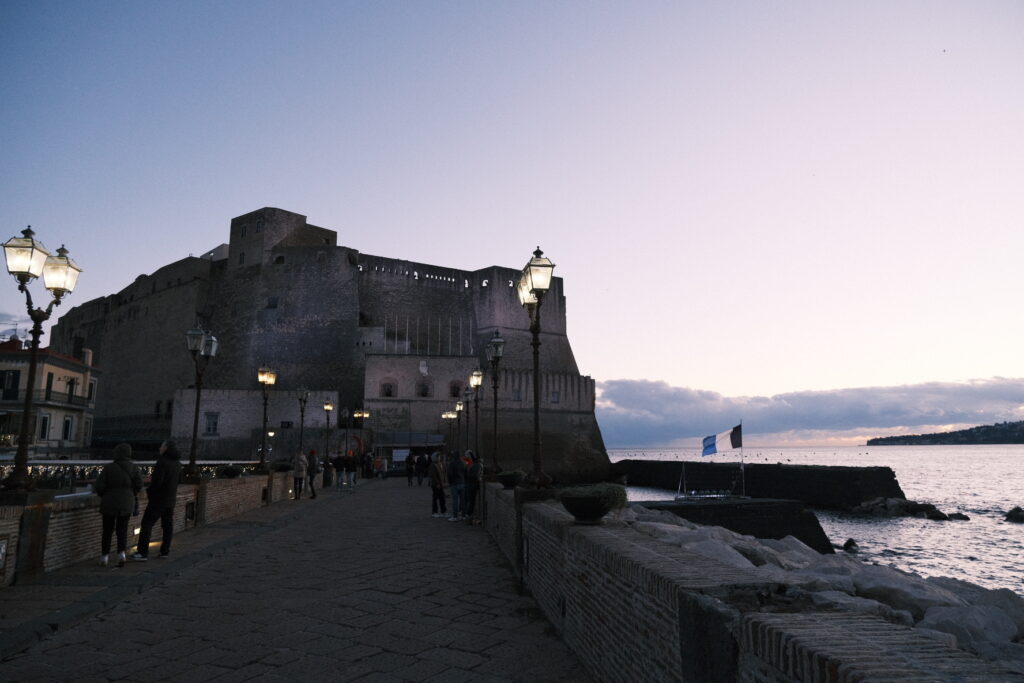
(634, 608)
(73, 525)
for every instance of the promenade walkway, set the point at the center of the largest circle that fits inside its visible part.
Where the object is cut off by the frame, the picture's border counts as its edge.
(362, 587)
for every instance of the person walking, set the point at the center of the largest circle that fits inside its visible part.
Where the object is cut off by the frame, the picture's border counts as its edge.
(338, 462)
(457, 482)
(351, 466)
(422, 465)
(410, 467)
(117, 485)
(312, 469)
(438, 482)
(474, 475)
(162, 494)
(300, 466)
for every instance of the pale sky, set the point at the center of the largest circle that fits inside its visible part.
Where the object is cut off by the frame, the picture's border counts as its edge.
(749, 199)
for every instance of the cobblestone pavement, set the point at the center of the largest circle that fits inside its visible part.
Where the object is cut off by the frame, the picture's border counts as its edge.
(362, 587)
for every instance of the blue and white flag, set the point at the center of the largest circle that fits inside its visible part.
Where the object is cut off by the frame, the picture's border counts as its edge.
(716, 443)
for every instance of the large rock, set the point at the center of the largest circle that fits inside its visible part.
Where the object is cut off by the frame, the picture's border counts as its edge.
(971, 624)
(840, 600)
(903, 591)
(1003, 598)
(1015, 515)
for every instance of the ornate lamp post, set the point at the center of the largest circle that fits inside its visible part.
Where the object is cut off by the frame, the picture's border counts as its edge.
(533, 285)
(495, 349)
(27, 259)
(203, 346)
(303, 400)
(458, 426)
(267, 378)
(475, 380)
(361, 415)
(448, 416)
(467, 395)
(328, 407)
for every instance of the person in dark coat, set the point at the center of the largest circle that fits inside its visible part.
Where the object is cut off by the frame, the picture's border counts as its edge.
(162, 493)
(457, 482)
(300, 466)
(117, 485)
(338, 462)
(422, 465)
(312, 468)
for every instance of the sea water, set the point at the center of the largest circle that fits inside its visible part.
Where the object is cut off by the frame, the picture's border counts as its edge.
(983, 482)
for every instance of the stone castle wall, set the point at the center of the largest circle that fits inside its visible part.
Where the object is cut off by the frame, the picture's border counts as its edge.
(289, 297)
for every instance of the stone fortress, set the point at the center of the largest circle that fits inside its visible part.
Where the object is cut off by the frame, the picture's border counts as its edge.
(393, 337)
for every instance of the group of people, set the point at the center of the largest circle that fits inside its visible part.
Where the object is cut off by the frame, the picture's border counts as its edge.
(461, 476)
(118, 486)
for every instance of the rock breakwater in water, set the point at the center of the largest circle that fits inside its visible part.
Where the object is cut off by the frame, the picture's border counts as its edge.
(988, 623)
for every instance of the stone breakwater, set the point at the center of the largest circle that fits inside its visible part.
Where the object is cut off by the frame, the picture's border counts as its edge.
(825, 486)
(650, 596)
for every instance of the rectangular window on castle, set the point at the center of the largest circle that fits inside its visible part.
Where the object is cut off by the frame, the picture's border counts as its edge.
(69, 423)
(212, 420)
(44, 427)
(554, 397)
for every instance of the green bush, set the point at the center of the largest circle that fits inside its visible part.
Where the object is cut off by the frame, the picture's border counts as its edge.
(613, 496)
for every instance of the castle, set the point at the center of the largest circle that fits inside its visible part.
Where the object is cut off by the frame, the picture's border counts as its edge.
(396, 338)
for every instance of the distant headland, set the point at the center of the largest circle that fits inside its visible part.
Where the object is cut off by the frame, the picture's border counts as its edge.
(1002, 433)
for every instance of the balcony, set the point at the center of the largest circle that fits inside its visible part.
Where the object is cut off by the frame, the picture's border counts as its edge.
(42, 397)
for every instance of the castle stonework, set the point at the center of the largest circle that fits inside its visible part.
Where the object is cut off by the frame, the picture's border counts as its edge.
(394, 337)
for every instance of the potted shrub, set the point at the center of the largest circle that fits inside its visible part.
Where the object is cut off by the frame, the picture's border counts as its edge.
(511, 479)
(229, 471)
(588, 504)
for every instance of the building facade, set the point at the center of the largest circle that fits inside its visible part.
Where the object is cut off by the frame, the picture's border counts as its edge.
(63, 398)
(390, 336)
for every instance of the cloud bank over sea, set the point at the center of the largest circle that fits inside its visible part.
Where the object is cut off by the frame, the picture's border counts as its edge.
(647, 413)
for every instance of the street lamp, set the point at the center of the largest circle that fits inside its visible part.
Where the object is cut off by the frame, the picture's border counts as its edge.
(475, 380)
(448, 416)
(361, 415)
(495, 348)
(467, 394)
(328, 407)
(303, 399)
(533, 285)
(267, 378)
(203, 346)
(458, 426)
(27, 259)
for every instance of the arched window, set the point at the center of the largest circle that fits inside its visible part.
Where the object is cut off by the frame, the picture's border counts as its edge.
(424, 389)
(388, 389)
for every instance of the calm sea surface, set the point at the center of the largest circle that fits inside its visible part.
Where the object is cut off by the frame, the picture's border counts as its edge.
(983, 482)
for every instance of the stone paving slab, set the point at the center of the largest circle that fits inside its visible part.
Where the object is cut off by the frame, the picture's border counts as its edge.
(352, 587)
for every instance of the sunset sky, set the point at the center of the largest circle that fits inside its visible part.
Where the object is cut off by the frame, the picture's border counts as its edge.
(808, 216)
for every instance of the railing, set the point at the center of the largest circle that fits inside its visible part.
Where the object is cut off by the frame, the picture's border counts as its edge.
(78, 475)
(44, 396)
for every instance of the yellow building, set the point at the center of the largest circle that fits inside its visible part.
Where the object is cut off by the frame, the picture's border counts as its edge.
(62, 402)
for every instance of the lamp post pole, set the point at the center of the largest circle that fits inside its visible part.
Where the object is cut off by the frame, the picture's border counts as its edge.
(267, 378)
(448, 416)
(347, 416)
(495, 349)
(467, 394)
(203, 346)
(533, 285)
(303, 399)
(328, 407)
(459, 409)
(27, 259)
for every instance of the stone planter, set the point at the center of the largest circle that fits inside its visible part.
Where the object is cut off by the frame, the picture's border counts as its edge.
(586, 509)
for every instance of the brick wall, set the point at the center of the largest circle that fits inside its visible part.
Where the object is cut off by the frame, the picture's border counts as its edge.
(637, 609)
(74, 529)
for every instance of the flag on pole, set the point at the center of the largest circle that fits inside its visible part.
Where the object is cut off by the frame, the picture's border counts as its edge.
(728, 440)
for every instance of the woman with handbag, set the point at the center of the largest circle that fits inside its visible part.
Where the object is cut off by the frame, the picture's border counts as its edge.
(117, 486)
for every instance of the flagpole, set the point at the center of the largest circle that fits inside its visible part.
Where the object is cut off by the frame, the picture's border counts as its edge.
(743, 469)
